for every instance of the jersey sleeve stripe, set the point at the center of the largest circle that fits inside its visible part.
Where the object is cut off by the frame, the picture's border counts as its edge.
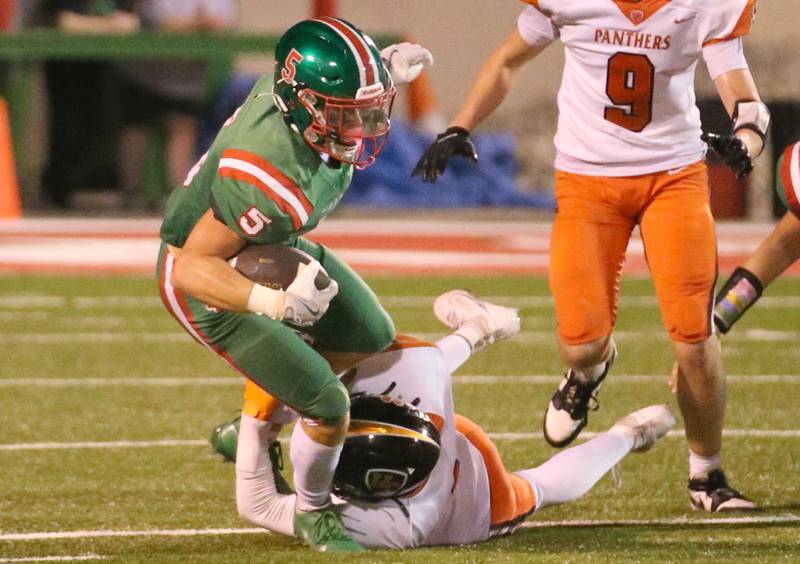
(272, 171)
(234, 170)
(742, 27)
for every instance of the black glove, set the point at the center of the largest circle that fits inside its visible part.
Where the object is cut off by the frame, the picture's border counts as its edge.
(454, 141)
(732, 151)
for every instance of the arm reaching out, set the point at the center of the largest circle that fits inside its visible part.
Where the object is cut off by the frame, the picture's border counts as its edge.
(494, 82)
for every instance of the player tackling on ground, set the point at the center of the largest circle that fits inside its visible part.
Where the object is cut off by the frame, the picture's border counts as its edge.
(277, 168)
(629, 152)
(393, 502)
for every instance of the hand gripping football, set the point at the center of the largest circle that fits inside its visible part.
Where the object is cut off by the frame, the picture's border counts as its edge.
(275, 266)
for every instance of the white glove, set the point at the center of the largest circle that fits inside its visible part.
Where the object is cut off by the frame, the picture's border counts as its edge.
(405, 61)
(301, 304)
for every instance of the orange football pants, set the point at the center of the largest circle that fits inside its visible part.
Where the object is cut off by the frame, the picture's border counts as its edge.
(511, 496)
(591, 230)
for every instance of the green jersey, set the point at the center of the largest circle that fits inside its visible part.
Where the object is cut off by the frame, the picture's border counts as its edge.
(259, 177)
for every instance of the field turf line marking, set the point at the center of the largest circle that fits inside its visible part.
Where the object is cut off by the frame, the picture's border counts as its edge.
(106, 533)
(787, 519)
(525, 337)
(766, 519)
(105, 444)
(760, 433)
(81, 557)
(464, 379)
(48, 301)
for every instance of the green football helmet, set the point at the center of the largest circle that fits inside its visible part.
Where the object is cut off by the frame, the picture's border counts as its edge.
(333, 89)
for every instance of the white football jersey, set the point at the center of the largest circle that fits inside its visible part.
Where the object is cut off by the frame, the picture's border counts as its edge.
(627, 102)
(453, 506)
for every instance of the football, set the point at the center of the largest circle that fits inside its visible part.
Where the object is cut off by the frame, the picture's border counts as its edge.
(788, 178)
(275, 266)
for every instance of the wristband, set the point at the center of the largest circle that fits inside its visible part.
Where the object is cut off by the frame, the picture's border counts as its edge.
(266, 301)
(740, 292)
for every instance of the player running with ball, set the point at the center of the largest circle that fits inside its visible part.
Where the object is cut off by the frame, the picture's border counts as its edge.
(277, 168)
(630, 153)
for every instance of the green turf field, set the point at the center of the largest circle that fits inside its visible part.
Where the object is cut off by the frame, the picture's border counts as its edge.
(98, 360)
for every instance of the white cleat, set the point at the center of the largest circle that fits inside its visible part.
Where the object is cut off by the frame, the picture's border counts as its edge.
(481, 323)
(645, 426)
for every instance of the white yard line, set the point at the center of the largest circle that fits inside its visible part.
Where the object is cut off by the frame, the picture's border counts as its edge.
(760, 433)
(80, 557)
(105, 534)
(525, 337)
(535, 524)
(105, 444)
(466, 379)
(28, 301)
(678, 521)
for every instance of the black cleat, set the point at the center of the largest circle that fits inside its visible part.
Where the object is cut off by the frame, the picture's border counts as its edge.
(568, 410)
(713, 494)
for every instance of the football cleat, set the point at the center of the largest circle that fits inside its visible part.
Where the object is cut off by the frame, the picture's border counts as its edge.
(713, 494)
(479, 322)
(224, 438)
(324, 530)
(568, 410)
(645, 426)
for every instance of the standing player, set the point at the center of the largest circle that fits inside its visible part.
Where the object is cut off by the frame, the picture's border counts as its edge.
(393, 502)
(629, 152)
(276, 169)
(778, 252)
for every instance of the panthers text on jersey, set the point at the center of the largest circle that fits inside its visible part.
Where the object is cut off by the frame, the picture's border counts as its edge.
(627, 102)
(261, 179)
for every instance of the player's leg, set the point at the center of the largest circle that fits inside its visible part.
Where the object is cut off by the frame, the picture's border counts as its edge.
(476, 324)
(587, 250)
(262, 496)
(572, 472)
(680, 242)
(356, 325)
(276, 358)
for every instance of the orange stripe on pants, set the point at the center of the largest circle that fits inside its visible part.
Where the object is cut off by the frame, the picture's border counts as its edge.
(511, 496)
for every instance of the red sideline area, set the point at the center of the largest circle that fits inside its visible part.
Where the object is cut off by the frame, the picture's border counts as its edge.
(446, 247)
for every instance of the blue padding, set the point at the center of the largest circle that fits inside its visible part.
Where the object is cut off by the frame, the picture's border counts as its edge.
(388, 182)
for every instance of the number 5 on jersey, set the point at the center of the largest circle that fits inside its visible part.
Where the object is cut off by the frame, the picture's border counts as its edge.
(630, 82)
(253, 221)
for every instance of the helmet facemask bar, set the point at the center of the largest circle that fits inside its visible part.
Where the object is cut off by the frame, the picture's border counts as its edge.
(350, 130)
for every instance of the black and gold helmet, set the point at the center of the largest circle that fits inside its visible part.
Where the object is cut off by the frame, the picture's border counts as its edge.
(390, 450)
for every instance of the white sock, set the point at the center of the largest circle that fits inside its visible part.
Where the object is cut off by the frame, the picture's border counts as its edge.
(455, 351)
(572, 472)
(314, 465)
(702, 466)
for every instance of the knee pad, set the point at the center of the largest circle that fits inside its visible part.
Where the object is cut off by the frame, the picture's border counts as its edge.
(330, 404)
